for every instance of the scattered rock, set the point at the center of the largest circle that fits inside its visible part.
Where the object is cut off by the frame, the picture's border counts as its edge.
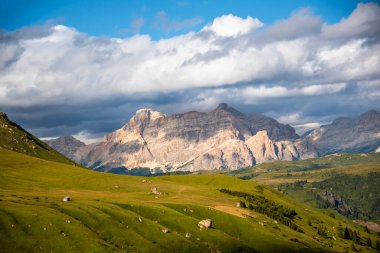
(116, 186)
(205, 223)
(66, 198)
(154, 190)
(165, 231)
(238, 204)
(68, 221)
(188, 235)
(140, 219)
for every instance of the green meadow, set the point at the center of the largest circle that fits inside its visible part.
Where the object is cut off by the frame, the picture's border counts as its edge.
(118, 213)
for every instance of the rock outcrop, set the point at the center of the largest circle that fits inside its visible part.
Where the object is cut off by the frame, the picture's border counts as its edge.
(222, 138)
(348, 135)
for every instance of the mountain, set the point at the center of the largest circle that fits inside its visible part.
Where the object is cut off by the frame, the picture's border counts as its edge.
(348, 135)
(222, 138)
(14, 137)
(66, 145)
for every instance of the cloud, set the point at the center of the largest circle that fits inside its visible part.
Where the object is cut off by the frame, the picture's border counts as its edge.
(232, 26)
(165, 24)
(299, 65)
(362, 23)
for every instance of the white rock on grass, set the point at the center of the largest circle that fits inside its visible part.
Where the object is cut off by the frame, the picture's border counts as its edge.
(205, 223)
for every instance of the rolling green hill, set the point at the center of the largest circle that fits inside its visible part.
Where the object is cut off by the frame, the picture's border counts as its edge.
(14, 137)
(117, 213)
(347, 183)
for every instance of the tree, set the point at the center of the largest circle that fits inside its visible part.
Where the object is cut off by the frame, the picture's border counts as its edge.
(346, 234)
(377, 246)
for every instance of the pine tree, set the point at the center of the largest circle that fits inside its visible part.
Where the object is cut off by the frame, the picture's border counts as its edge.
(346, 234)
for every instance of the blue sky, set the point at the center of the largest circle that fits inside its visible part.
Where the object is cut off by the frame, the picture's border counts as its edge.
(116, 18)
(84, 67)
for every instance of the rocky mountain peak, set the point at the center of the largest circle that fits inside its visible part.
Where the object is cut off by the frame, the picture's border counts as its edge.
(222, 106)
(146, 115)
(352, 135)
(371, 115)
(66, 145)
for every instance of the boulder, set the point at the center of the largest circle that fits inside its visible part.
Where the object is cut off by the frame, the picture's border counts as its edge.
(66, 198)
(188, 235)
(154, 190)
(205, 223)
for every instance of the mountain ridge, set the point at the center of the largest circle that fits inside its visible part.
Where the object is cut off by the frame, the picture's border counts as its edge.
(219, 139)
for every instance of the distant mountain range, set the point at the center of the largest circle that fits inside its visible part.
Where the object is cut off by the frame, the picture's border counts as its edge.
(220, 139)
(348, 135)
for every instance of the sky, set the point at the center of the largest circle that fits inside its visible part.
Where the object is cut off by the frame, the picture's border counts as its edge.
(83, 68)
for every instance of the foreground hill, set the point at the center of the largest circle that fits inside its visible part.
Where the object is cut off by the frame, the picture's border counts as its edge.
(14, 137)
(112, 213)
(222, 138)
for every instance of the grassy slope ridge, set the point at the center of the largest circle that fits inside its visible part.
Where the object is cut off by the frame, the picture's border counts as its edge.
(113, 213)
(351, 177)
(14, 137)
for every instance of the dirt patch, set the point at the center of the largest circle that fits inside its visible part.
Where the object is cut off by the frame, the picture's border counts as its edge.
(234, 211)
(369, 224)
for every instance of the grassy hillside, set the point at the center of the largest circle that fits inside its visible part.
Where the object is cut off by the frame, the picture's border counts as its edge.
(347, 183)
(14, 137)
(117, 213)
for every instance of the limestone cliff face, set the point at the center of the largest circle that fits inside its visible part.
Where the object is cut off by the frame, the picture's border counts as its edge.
(222, 138)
